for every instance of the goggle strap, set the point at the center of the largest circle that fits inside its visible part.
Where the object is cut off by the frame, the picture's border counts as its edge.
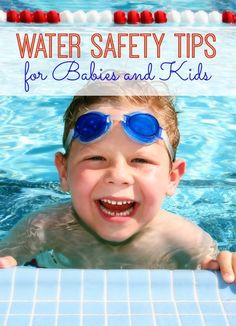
(69, 139)
(166, 140)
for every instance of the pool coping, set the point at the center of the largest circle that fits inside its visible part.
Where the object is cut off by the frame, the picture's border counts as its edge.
(37, 296)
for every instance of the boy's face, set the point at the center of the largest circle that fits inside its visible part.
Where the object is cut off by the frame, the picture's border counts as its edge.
(117, 185)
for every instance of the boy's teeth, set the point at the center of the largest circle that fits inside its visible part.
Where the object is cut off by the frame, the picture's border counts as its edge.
(113, 202)
(116, 207)
(125, 213)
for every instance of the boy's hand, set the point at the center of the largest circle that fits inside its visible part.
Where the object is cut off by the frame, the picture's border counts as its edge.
(225, 262)
(7, 261)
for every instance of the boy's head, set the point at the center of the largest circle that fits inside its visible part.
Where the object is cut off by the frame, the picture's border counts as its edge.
(118, 185)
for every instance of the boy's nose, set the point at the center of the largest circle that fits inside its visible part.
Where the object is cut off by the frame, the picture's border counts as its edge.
(119, 174)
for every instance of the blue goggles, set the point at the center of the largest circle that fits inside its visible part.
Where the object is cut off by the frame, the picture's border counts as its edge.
(141, 127)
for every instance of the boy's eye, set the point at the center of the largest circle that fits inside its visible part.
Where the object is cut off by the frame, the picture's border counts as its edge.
(96, 158)
(140, 160)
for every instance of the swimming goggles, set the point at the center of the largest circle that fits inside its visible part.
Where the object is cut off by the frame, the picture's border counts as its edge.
(141, 127)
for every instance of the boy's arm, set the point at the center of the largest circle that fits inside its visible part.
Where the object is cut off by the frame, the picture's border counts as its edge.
(225, 262)
(23, 242)
(7, 261)
(201, 247)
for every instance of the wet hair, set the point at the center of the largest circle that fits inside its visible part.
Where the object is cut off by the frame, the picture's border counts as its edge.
(162, 107)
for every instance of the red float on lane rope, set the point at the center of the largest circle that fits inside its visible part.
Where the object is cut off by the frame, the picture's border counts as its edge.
(40, 16)
(13, 16)
(26, 16)
(133, 17)
(146, 17)
(160, 17)
(53, 17)
(119, 17)
(228, 17)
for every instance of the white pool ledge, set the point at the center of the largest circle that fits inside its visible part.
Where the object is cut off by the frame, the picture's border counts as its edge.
(47, 297)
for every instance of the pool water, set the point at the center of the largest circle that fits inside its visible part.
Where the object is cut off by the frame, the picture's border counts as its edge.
(31, 132)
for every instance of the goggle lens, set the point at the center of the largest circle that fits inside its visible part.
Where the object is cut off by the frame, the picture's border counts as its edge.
(91, 126)
(142, 127)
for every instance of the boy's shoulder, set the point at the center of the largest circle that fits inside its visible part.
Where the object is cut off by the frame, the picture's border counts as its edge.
(182, 242)
(59, 214)
(180, 230)
(175, 220)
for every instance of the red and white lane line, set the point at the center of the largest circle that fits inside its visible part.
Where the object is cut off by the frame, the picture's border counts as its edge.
(119, 17)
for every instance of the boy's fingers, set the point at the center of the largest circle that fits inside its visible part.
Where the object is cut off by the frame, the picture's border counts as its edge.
(234, 264)
(7, 261)
(227, 264)
(211, 264)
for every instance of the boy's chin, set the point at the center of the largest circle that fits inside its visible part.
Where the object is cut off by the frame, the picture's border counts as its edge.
(116, 239)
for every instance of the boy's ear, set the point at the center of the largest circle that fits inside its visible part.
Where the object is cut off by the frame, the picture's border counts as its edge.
(60, 162)
(176, 173)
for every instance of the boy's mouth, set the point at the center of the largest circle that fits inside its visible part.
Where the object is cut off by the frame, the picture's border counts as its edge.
(117, 208)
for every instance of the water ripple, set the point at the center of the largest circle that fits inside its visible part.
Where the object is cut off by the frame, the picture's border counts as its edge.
(20, 197)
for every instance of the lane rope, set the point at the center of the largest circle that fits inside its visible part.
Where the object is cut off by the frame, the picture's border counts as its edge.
(119, 17)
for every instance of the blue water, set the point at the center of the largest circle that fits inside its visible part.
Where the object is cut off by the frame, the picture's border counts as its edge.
(31, 131)
(73, 5)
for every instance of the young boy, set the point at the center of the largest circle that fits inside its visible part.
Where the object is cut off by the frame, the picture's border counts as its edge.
(119, 165)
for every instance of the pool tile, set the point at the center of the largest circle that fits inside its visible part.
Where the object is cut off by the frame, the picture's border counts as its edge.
(226, 291)
(45, 308)
(24, 283)
(68, 321)
(93, 320)
(69, 308)
(142, 320)
(161, 287)
(167, 320)
(193, 320)
(21, 308)
(18, 320)
(3, 308)
(138, 285)
(42, 321)
(93, 285)
(232, 320)
(183, 285)
(118, 321)
(117, 285)
(6, 281)
(206, 285)
(117, 308)
(210, 308)
(70, 285)
(230, 307)
(90, 308)
(140, 308)
(187, 308)
(164, 308)
(47, 284)
(215, 320)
